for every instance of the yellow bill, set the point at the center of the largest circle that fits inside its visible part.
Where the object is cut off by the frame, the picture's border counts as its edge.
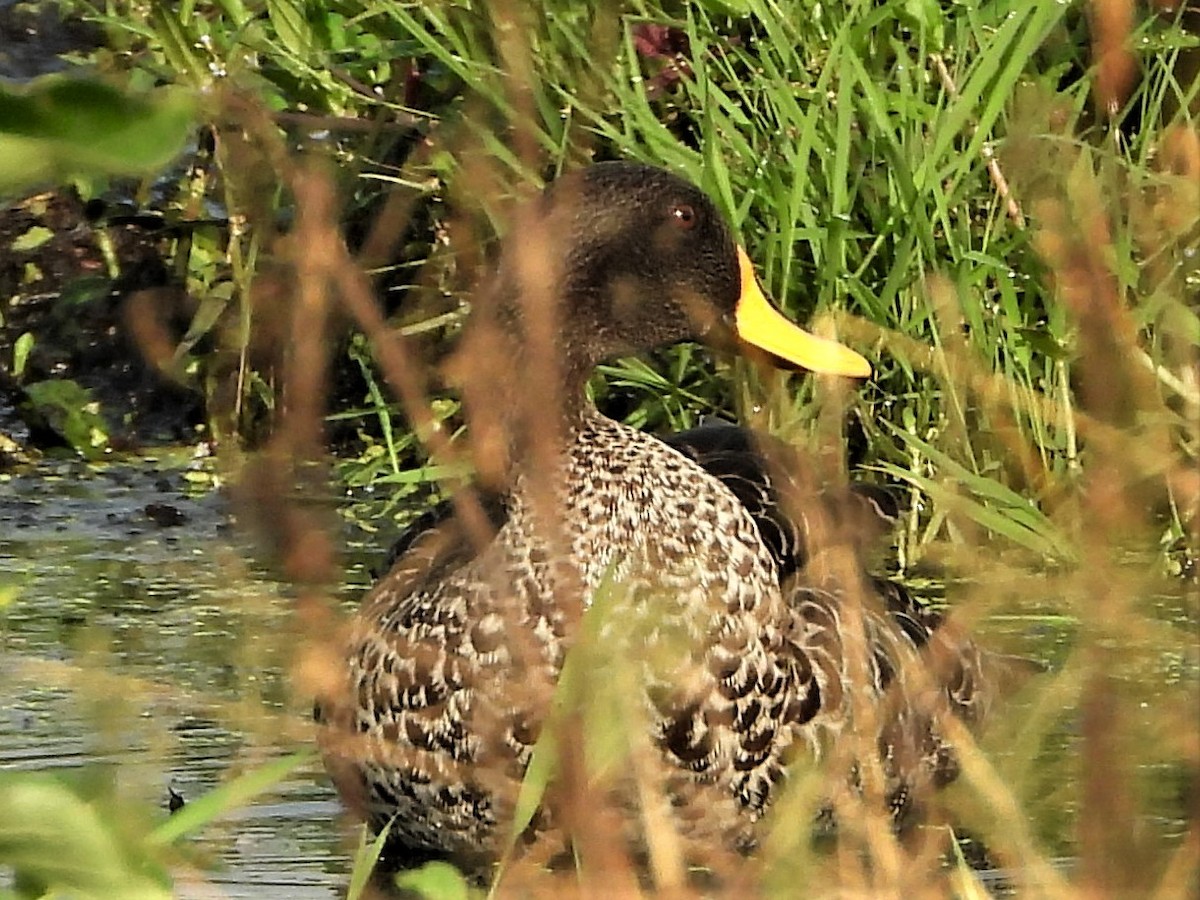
(757, 322)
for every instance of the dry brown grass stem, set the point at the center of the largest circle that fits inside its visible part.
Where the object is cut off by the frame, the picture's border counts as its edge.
(404, 372)
(1116, 69)
(1182, 873)
(995, 172)
(1012, 839)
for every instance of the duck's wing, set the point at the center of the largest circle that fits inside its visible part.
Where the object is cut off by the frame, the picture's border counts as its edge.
(765, 474)
(903, 634)
(436, 542)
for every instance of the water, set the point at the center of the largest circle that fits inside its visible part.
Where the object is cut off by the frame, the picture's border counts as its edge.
(159, 649)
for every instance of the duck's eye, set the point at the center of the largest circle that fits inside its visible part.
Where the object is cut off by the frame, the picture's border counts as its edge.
(683, 216)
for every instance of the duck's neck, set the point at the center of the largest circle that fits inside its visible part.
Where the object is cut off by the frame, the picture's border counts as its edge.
(524, 418)
(546, 426)
(523, 386)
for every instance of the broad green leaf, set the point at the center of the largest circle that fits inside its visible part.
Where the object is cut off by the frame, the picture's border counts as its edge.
(293, 29)
(32, 239)
(236, 10)
(177, 44)
(58, 128)
(51, 836)
(69, 410)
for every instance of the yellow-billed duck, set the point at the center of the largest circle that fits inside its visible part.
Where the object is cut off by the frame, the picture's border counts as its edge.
(453, 656)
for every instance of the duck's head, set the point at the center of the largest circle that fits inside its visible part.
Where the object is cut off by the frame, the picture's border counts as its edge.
(633, 258)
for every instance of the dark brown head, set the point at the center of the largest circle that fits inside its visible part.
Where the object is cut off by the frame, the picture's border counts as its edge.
(623, 257)
(646, 260)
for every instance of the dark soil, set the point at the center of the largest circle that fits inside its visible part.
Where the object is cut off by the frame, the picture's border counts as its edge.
(74, 303)
(57, 286)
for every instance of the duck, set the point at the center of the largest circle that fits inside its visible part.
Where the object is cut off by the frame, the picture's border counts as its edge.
(736, 653)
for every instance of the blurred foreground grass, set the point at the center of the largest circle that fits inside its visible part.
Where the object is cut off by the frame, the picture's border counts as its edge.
(999, 202)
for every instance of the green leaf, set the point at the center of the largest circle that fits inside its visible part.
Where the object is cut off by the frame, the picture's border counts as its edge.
(83, 290)
(989, 503)
(236, 10)
(926, 16)
(1045, 343)
(59, 128)
(293, 29)
(176, 43)
(365, 858)
(208, 313)
(542, 768)
(21, 350)
(32, 239)
(69, 411)
(8, 595)
(573, 693)
(967, 882)
(53, 838)
(435, 881)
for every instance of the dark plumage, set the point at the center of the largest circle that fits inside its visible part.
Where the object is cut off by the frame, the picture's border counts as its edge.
(738, 642)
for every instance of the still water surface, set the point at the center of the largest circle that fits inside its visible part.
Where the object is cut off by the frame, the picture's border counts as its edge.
(155, 646)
